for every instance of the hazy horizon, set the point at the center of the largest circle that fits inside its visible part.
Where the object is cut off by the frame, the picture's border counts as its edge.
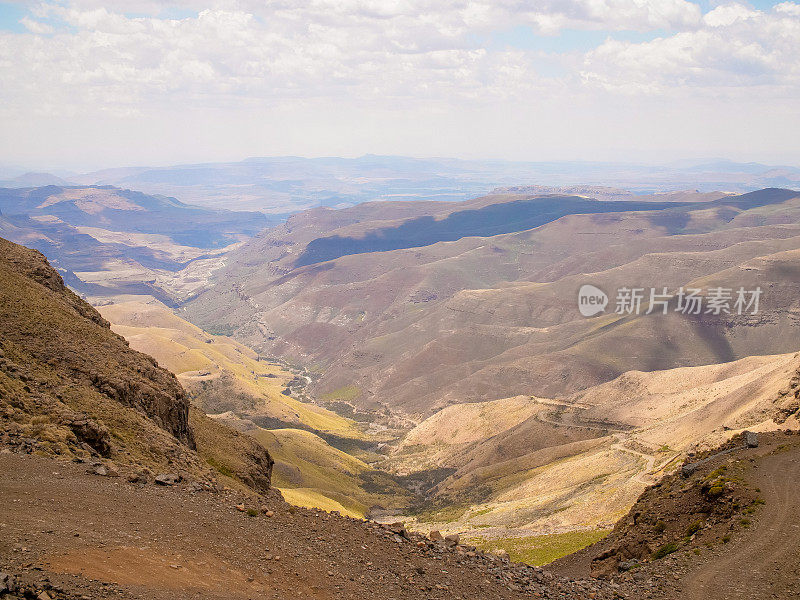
(90, 85)
(10, 169)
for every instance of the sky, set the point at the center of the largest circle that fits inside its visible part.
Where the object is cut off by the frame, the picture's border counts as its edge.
(86, 84)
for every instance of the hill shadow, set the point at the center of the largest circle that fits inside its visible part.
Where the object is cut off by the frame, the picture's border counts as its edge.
(495, 219)
(515, 216)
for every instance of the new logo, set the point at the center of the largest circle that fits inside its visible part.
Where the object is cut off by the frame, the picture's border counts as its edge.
(591, 300)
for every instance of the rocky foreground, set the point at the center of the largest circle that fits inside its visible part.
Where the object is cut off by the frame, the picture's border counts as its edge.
(72, 530)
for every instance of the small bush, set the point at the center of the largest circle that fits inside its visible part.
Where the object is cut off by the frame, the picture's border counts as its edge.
(660, 526)
(665, 550)
(252, 512)
(694, 528)
(726, 539)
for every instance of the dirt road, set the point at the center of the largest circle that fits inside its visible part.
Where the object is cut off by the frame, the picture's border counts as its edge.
(764, 562)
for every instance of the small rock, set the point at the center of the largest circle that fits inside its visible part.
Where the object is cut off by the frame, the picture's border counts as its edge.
(167, 479)
(240, 507)
(435, 536)
(500, 553)
(137, 478)
(751, 439)
(7, 583)
(452, 540)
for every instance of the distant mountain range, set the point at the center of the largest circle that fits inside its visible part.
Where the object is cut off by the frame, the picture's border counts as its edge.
(284, 185)
(109, 241)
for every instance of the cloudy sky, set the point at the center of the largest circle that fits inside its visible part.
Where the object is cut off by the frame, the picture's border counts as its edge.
(88, 84)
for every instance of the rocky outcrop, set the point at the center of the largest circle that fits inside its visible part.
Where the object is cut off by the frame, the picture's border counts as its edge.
(47, 327)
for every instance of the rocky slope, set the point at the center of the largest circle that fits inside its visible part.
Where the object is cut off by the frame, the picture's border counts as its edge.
(72, 387)
(320, 457)
(166, 542)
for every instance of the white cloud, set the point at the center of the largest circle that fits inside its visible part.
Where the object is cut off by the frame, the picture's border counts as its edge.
(35, 26)
(231, 54)
(735, 51)
(727, 14)
(292, 49)
(326, 69)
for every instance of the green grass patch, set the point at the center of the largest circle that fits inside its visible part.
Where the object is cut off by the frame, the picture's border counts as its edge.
(347, 393)
(694, 528)
(221, 468)
(542, 549)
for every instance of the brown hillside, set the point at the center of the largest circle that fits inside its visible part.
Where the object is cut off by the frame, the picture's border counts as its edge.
(485, 318)
(70, 386)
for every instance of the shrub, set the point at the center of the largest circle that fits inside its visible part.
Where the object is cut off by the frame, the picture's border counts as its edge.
(694, 528)
(665, 550)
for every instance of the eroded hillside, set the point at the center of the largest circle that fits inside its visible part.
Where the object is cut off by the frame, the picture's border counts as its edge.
(484, 318)
(515, 474)
(110, 241)
(524, 466)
